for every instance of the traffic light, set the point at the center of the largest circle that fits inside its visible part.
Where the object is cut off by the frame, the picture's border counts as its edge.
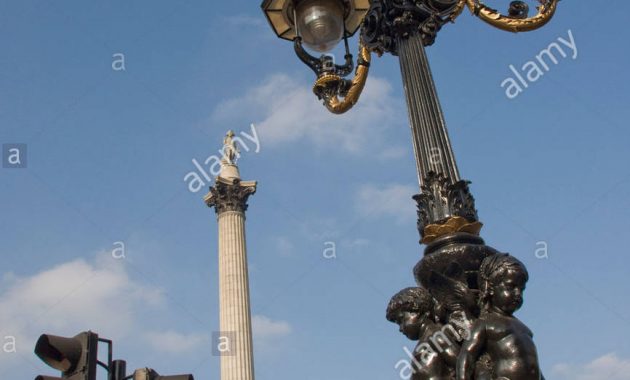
(149, 374)
(75, 357)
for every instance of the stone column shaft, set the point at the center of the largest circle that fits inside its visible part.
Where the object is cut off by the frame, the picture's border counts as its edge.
(235, 315)
(229, 198)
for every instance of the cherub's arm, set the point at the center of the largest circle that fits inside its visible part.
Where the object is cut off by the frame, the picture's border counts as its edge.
(470, 351)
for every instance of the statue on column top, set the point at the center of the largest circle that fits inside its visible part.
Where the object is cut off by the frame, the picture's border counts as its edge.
(230, 150)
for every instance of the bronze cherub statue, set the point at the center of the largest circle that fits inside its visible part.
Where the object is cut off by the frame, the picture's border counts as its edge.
(507, 341)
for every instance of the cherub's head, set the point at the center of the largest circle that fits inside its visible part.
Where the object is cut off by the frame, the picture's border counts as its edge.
(502, 279)
(409, 308)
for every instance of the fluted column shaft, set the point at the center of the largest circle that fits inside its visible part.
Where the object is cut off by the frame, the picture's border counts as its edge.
(235, 314)
(404, 28)
(445, 204)
(432, 146)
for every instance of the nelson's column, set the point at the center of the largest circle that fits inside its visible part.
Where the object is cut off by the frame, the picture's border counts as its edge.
(229, 198)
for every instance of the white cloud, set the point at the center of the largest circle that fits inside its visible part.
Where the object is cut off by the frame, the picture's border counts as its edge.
(72, 297)
(264, 332)
(608, 367)
(392, 200)
(264, 328)
(245, 20)
(356, 243)
(285, 111)
(176, 343)
(284, 246)
(394, 152)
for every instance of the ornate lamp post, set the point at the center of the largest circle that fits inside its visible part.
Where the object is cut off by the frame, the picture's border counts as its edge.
(463, 284)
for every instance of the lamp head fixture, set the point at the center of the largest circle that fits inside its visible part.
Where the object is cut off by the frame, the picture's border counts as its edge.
(321, 24)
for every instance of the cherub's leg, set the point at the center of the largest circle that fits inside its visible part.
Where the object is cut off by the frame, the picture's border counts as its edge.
(483, 376)
(483, 369)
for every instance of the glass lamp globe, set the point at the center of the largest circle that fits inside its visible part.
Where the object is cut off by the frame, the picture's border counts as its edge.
(320, 23)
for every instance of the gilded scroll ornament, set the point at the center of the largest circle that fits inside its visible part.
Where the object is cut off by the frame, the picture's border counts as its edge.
(517, 21)
(330, 87)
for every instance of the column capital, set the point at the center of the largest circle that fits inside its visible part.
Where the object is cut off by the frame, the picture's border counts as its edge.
(388, 21)
(230, 195)
(445, 207)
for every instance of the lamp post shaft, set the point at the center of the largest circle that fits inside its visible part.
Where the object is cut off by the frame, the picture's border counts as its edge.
(404, 28)
(431, 143)
(445, 204)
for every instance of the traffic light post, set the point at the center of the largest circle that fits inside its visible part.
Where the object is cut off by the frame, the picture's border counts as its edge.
(77, 358)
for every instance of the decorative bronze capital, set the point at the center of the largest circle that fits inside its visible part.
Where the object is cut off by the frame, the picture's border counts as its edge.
(388, 21)
(445, 207)
(230, 195)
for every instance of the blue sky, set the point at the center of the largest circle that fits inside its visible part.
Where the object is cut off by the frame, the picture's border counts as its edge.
(108, 151)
